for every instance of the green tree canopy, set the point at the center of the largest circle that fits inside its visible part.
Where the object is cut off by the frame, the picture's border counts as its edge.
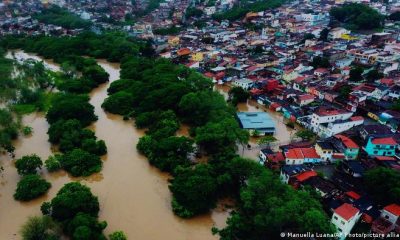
(40, 227)
(69, 106)
(383, 184)
(28, 164)
(73, 198)
(30, 187)
(194, 190)
(358, 16)
(81, 163)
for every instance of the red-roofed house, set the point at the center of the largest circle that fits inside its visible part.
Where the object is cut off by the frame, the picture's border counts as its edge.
(351, 148)
(301, 155)
(305, 99)
(381, 146)
(305, 175)
(388, 221)
(344, 218)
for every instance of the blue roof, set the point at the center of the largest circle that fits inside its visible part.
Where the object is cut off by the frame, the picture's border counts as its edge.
(255, 120)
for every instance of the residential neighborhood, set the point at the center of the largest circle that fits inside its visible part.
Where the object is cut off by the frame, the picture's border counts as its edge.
(334, 89)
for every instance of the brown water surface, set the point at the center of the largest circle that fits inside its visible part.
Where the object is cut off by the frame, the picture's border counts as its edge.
(134, 196)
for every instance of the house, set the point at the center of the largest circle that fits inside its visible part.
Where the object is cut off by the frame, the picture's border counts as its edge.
(388, 221)
(290, 171)
(350, 148)
(324, 187)
(327, 115)
(372, 130)
(256, 121)
(353, 168)
(381, 146)
(305, 99)
(337, 33)
(270, 159)
(328, 122)
(325, 149)
(344, 218)
(243, 83)
(297, 156)
(300, 178)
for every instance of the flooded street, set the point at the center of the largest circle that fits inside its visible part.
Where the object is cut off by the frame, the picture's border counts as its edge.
(283, 134)
(134, 196)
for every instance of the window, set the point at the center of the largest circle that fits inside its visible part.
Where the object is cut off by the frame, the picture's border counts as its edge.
(342, 222)
(336, 218)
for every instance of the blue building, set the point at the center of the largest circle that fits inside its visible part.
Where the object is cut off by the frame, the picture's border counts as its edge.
(256, 121)
(384, 146)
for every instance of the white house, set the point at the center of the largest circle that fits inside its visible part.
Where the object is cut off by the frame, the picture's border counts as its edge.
(243, 83)
(339, 126)
(297, 156)
(327, 122)
(337, 33)
(344, 218)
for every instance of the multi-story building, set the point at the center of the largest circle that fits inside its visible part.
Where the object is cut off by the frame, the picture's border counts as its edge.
(344, 218)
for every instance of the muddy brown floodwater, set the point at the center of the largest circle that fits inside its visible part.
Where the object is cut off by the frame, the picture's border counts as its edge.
(133, 196)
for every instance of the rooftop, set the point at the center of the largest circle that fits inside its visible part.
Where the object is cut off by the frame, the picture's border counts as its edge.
(346, 211)
(255, 120)
(393, 208)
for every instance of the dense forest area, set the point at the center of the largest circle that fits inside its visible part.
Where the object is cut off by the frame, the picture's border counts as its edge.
(160, 96)
(357, 16)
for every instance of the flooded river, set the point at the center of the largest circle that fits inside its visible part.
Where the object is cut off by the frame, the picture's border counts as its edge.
(134, 196)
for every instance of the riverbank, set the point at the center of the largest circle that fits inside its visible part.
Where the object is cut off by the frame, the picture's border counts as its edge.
(133, 195)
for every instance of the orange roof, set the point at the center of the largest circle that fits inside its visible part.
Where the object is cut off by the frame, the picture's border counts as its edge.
(183, 51)
(347, 141)
(384, 141)
(301, 153)
(393, 209)
(305, 175)
(346, 211)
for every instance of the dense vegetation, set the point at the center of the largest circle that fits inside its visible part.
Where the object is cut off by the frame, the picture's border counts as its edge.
(112, 46)
(76, 208)
(40, 227)
(68, 116)
(61, 17)
(29, 164)
(384, 185)
(240, 10)
(187, 97)
(238, 95)
(30, 187)
(357, 16)
(68, 112)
